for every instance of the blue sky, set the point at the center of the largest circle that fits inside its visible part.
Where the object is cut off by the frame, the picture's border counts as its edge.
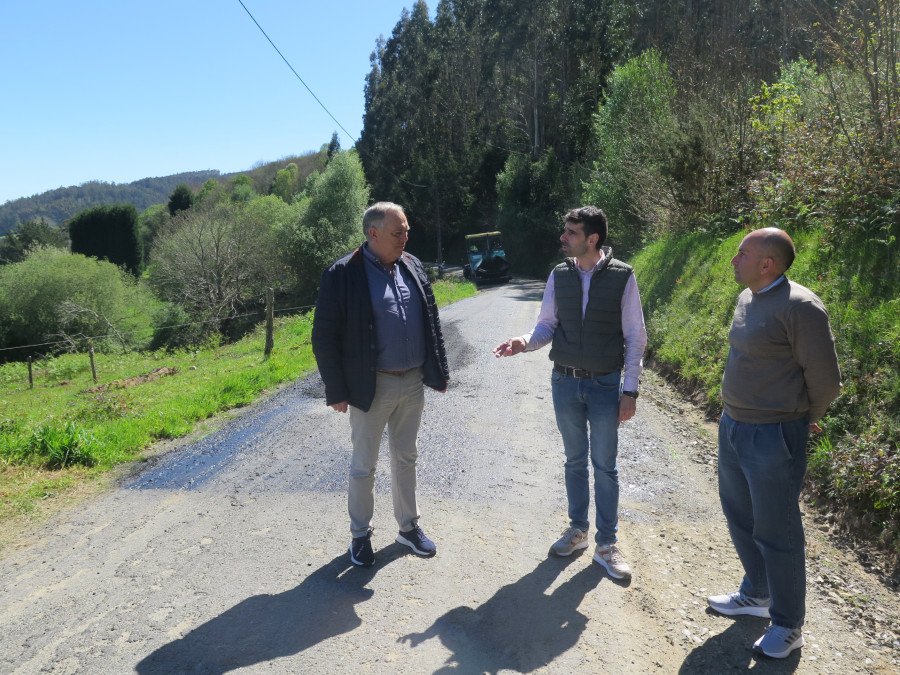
(116, 90)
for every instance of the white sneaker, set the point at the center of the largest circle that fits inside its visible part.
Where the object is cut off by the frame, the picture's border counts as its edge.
(612, 559)
(571, 540)
(779, 641)
(737, 603)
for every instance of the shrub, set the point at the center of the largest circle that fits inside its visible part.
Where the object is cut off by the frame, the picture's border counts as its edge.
(55, 296)
(216, 262)
(58, 447)
(328, 223)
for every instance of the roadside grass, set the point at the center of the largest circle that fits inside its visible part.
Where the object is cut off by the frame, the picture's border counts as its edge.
(68, 433)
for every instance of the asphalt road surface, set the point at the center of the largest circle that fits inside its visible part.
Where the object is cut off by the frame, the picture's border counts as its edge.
(229, 553)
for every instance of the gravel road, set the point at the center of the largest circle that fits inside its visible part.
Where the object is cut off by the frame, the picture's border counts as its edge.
(229, 553)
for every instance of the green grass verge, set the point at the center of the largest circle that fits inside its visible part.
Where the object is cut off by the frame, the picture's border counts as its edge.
(68, 430)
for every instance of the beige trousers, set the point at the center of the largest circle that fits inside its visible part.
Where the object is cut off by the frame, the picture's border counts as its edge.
(398, 404)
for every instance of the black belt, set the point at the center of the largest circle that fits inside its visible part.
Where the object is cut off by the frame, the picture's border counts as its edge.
(577, 372)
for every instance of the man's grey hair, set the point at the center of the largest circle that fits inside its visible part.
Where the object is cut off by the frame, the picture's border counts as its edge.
(374, 215)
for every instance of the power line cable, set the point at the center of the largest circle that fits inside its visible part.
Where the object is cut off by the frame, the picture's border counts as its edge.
(349, 135)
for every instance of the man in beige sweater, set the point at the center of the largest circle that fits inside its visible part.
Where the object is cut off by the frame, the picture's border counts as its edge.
(780, 377)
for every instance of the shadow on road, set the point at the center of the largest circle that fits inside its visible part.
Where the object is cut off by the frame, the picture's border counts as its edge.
(731, 651)
(265, 627)
(531, 290)
(520, 627)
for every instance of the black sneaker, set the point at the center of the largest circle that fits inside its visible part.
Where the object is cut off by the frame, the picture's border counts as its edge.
(418, 542)
(361, 552)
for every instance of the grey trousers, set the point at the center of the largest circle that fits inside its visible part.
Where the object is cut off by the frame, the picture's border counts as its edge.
(399, 401)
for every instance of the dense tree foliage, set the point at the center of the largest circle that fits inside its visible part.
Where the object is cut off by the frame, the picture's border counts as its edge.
(151, 222)
(452, 100)
(635, 136)
(328, 222)
(264, 174)
(18, 241)
(285, 183)
(109, 233)
(530, 193)
(181, 199)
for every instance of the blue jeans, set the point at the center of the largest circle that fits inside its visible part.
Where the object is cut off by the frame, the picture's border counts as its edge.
(761, 470)
(581, 403)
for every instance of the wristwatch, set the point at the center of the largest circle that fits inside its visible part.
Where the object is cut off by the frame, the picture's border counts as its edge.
(632, 394)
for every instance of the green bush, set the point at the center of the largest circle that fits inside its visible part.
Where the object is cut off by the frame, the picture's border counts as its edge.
(328, 223)
(55, 296)
(636, 133)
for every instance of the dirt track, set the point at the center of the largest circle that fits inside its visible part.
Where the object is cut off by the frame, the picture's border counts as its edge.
(230, 553)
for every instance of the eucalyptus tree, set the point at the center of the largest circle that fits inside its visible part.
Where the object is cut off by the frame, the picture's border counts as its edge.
(400, 112)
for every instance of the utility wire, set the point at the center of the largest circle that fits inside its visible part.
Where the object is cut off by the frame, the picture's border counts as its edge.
(349, 135)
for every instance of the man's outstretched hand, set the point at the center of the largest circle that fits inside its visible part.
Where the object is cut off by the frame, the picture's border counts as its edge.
(510, 347)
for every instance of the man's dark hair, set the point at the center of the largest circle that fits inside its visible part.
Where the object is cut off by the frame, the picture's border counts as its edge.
(593, 221)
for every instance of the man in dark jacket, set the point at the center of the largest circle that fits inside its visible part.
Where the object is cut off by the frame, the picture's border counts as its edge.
(377, 339)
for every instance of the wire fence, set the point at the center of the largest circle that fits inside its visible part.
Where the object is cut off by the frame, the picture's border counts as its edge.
(90, 338)
(268, 313)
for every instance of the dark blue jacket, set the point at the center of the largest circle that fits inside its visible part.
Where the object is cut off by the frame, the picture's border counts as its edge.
(343, 334)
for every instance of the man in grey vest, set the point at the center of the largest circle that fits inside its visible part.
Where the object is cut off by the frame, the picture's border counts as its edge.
(591, 316)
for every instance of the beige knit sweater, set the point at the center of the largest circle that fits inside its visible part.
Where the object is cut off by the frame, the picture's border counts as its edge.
(782, 364)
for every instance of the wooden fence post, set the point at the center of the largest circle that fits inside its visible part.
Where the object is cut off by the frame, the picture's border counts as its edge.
(270, 322)
(93, 368)
(30, 376)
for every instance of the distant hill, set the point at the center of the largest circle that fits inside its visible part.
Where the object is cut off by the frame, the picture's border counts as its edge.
(55, 206)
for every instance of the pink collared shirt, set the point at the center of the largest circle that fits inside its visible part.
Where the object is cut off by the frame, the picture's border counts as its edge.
(633, 328)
